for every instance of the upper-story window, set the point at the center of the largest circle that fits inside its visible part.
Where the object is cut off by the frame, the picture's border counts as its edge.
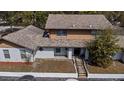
(61, 33)
(93, 32)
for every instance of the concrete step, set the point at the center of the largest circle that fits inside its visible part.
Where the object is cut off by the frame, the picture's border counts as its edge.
(80, 69)
(79, 63)
(80, 77)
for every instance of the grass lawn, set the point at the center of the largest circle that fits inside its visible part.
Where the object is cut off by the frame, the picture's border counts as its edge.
(116, 68)
(64, 66)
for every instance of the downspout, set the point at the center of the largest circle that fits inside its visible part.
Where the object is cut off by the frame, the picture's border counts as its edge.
(33, 55)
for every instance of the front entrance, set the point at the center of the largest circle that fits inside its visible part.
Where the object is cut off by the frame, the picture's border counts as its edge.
(77, 51)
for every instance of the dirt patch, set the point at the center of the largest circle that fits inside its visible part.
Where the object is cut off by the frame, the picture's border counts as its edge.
(15, 66)
(54, 66)
(116, 68)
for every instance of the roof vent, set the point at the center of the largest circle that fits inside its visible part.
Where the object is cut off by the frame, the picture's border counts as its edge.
(91, 26)
(73, 25)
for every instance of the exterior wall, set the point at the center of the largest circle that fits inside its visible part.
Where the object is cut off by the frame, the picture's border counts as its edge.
(73, 35)
(122, 58)
(118, 56)
(14, 55)
(62, 53)
(83, 35)
(14, 51)
(45, 53)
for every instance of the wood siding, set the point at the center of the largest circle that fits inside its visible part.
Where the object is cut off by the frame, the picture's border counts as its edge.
(73, 35)
(6, 44)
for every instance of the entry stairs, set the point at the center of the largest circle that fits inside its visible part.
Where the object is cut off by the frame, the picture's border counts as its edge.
(80, 67)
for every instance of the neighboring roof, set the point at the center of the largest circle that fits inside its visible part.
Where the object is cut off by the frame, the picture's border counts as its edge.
(118, 30)
(25, 37)
(121, 40)
(6, 28)
(71, 21)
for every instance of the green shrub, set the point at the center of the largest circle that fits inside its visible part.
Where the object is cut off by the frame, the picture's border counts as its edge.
(105, 62)
(103, 48)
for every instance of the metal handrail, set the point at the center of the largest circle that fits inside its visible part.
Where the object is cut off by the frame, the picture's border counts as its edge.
(85, 67)
(75, 65)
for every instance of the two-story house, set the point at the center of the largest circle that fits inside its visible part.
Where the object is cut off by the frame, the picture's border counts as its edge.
(64, 36)
(68, 34)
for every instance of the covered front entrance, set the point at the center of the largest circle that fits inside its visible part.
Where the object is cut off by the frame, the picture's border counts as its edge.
(81, 52)
(70, 52)
(77, 51)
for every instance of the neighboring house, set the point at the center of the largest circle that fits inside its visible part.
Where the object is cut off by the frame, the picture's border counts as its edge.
(64, 36)
(19, 46)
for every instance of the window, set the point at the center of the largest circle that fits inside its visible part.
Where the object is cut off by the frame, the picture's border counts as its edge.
(61, 33)
(93, 32)
(23, 54)
(58, 50)
(6, 54)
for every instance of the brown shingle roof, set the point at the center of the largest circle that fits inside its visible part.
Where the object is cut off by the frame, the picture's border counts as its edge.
(31, 37)
(25, 37)
(46, 42)
(62, 21)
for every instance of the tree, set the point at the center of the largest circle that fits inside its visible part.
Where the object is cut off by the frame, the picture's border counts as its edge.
(103, 48)
(25, 18)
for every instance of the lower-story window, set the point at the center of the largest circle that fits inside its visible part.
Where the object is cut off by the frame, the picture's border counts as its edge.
(23, 54)
(58, 50)
(6, 54)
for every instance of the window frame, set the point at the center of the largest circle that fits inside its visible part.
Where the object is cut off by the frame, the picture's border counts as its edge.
(6, 53)
(23, 54)
(58, 51)
(61, 33)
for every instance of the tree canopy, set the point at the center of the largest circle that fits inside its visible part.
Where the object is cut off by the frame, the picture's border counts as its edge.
(38, 18)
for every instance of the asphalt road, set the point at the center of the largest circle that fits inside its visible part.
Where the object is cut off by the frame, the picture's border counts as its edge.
(56, 79)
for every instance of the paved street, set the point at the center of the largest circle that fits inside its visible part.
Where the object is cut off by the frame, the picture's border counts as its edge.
(57, 79)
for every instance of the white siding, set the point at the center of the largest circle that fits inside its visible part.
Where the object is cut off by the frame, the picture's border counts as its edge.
(63, 52)
(14, 55)
(45, 53)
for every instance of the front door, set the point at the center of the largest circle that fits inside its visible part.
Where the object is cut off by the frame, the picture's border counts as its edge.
(77, 51)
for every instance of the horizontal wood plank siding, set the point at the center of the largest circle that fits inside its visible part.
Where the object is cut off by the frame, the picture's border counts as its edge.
(73, 35)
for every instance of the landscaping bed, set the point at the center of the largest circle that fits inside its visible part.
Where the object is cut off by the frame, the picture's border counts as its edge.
(116, 68)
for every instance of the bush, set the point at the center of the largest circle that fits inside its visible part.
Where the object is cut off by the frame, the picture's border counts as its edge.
(105, 62)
